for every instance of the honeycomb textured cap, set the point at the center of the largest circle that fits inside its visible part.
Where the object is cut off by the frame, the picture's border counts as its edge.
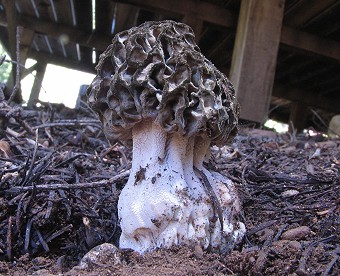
(156, 71)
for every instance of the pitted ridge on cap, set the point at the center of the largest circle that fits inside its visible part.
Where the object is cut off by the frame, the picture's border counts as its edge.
(156, 71)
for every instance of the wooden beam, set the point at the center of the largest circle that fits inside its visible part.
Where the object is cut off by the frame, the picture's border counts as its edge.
(34, 96)
(204, 11)
(254, 56)
(123, 17)
(307, 98)
(11, 18)
(62, 61)
(217, 15)
(105, 11)
(26, 39)
(290, 37)
(28, 71)
(52, 29)
(307, 11)
(309, 43)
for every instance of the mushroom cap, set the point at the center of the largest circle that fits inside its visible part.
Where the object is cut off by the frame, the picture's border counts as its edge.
(156, 71)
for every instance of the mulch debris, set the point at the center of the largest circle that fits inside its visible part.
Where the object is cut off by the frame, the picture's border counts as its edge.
(60, 181)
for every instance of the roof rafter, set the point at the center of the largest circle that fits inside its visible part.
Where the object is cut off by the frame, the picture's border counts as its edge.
(225, 18)
(202, 10)
(205, 11)
(306, 97)
(307, 42)
(62, 61)
(56, 30)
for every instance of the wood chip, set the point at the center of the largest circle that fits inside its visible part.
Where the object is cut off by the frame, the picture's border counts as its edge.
(297, 233)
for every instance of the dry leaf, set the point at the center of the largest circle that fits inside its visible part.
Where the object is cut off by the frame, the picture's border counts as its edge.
(325, 212)
(316, 153)
(5, 149)
(310, 169)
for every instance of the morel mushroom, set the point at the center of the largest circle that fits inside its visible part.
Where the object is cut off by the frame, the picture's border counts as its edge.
(156, 90)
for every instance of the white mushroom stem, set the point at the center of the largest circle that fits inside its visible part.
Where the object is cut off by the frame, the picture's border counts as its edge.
(165, 203)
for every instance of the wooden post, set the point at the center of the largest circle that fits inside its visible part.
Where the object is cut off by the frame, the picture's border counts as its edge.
(298, 116)
(18, 38)
(34, 96)
(254, 55)
(26, 39)
(11, 17)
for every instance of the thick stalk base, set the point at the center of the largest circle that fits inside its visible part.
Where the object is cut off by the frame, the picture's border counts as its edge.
(165, 202)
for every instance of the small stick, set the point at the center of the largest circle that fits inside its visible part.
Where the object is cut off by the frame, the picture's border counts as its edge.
(9, 238)
(17, 135)
(17, 79)
(18, 212)
(25, 125)
(41, 240)
(263, 255)
(244, 181)
(69, 160)
(49, 135)
(304, 258)
(66, 202)
(330, 265)
(28, 235)
(70, 123)
(261, 226)
(59, 232)
(308, 251)
(279, 233)
(57, 186)
(212, 195)
(34, 156)
(51, 195)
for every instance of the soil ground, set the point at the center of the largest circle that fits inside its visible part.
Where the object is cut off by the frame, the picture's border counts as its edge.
(59, 188)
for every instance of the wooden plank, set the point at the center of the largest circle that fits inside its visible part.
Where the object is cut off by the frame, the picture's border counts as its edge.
(62, 61)
(254, 56)
(27, 7)
(217, 15)
(104, 15)
(307, 98)
(290, 37)
(307, 11)
(126, 16)
(83, 10)
(202, 10)
(72, 34)
(83, 14)
(29, 71)
(64, 12)
(309, 43)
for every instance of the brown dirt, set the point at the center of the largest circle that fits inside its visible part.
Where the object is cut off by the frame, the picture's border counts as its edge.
(289, 185)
